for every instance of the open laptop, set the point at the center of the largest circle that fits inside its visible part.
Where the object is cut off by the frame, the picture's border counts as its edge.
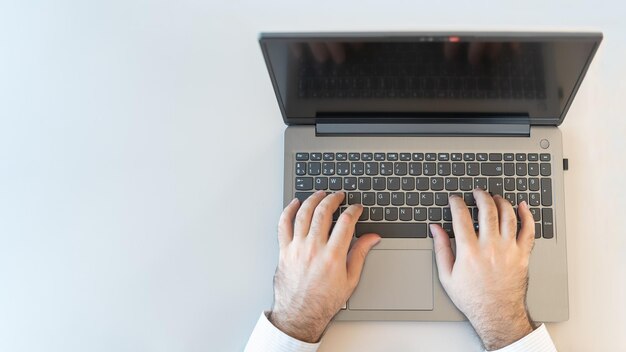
(399, 121)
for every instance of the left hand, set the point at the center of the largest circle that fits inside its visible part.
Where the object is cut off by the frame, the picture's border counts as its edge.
(316, 273)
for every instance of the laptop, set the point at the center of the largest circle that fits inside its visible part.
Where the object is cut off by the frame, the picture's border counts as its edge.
(399, 121)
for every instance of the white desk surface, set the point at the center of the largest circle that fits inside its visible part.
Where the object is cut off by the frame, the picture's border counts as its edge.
(141, 172)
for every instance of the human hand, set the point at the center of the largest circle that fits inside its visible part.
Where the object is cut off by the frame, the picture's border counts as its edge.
(488, 278)
(316, 274)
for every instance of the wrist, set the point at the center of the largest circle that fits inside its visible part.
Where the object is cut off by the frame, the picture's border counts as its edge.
(500, 330)
(298, 327)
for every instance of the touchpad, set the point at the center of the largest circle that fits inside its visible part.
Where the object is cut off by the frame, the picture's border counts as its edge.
(395, 279)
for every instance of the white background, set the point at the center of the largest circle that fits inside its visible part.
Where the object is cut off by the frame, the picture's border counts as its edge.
(141, 171)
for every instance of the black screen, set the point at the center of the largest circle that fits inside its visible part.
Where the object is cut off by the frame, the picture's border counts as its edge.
(329, 76)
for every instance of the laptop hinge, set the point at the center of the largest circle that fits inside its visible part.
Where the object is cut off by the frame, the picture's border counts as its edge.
(423, 129)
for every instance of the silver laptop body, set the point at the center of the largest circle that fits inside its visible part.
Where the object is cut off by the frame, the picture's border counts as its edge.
(401, 120)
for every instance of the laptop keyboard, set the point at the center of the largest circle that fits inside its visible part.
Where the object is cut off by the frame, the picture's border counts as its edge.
(402, 193)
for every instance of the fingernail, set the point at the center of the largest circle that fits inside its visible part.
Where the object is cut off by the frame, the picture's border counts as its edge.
(293, 201)
(432, 227)
(523, 204)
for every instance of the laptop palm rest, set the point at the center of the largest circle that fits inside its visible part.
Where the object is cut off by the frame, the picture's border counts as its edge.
(395, 279)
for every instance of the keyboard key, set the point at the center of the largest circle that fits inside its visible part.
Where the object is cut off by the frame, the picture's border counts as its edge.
(466, 184)
(522, 197)
(544, 157)
(343, 168)
(357, 168)
(393, 183)
(546, 169)
(329, 156)
(328, 168)
(367, 156)
(392, 230)
(354, 198)
(369, 198)
(399, 168)
(392, 156)
(376, 214)
(469, 199)
(456, 156)
(447, 214)
(533, 157)
(397, 198)
(321, 183)
(408, 183)
(405, 214)
(427, 198)
(349, 183)
(300, 168)
(379, 156)
(405, 156)
(342, 156)
(520, 169)
(548, 224)
(458, 169)
(431, 156)
(417, 156)
(383, 198)
(495, 157)
(415, 168)
(491, 169)
(304, 183)
(443, 156)
(533, 184)
(536, 213)
(302, 196)
(434, 214)
(452, 183)
(447, 227)
(521, 184)
(533, 169)
(443, 169)
(391, 214)
(537, 230)
(365, 183)
(380, 183)
(302, 156)
(316, 156)
(315, 168)
(412, 198)
(386, 168)
(354, 156)
(335, 183)
(496, 186)
(429, 169)
(546, 192)
(520, 157)
(422, 183)
(480, 182)
(419, 214)
(365, 215)
(473, 169)
(482, 157)
(511, 198)
(436, 183)
(441, 199)
(533, 199)
(468, 156)
(509, 184)
(509, 157)
(371, 168)
(509, 169)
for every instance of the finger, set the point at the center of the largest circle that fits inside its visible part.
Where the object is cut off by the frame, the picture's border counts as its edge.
(337, 52)
(344, 228)
(319, 51)
(488, 226)
(506, 217)
(526, 237)
(323, 216)
(461, 222)
(285, 223)
(305, 214)
(356, 256)
(443, 252)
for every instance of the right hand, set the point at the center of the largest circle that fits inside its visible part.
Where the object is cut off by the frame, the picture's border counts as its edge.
(488, 278)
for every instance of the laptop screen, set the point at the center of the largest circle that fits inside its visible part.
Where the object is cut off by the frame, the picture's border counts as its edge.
(501, 76)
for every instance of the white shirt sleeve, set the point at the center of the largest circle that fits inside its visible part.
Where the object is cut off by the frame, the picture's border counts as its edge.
(267, 338)
(537, 341)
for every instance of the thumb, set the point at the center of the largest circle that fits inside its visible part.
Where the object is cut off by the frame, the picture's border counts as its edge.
(357, 254)
(443, 252)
